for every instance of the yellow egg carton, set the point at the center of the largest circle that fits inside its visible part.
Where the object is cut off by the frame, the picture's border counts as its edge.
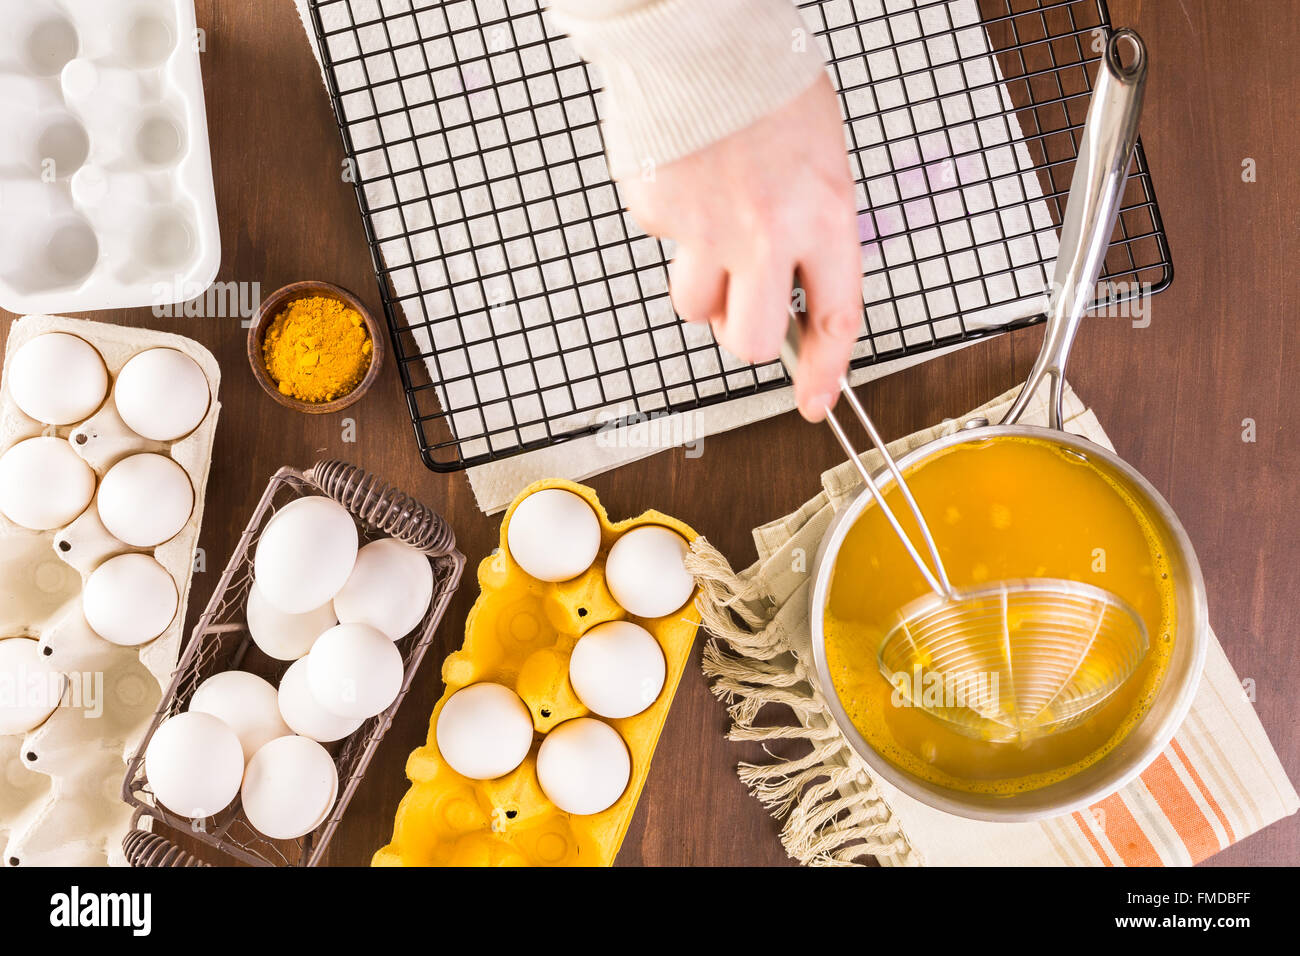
(520, 633)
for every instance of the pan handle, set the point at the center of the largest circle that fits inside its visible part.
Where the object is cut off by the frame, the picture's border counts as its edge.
(1096, 191)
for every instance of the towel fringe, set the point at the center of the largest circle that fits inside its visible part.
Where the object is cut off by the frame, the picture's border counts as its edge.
(754, 670)
(833, 814)
(779, 786)
(722, 588)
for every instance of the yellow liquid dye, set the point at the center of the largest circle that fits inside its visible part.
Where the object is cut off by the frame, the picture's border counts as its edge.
(1004, 508)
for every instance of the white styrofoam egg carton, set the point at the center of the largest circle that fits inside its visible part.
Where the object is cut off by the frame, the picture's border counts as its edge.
(106, 197)
(60, 784)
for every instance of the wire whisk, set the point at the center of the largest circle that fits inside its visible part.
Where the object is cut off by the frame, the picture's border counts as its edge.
(1013, 661)
(1023, 658)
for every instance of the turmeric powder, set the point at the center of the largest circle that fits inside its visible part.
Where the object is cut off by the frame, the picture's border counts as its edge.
(317, 349)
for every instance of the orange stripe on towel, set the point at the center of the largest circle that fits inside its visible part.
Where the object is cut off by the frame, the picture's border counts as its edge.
(1080, 819)
(1205, 791)
(1124, 833)
(1185, 814)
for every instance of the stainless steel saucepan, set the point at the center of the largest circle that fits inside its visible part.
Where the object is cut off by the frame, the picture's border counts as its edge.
(1095, 194)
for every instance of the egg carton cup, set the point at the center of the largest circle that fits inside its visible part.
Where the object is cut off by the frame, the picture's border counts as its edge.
(61, 802)
(105, 171)
(520, 633)
(221, 642)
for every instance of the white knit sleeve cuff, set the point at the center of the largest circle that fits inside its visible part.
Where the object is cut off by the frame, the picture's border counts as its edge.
(681, 74)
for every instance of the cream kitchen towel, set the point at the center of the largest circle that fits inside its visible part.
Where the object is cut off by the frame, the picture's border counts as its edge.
(925, 96)
(1217, 782)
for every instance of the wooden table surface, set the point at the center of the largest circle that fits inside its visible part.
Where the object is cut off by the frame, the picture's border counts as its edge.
(1221, 347)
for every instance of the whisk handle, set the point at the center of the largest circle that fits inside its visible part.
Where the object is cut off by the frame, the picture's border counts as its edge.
(937, 579)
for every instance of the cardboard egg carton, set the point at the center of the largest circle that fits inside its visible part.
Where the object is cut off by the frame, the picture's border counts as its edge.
(62, 803)
(105, 165)
(521, 633)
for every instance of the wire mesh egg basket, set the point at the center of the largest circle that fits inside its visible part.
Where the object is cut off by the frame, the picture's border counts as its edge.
(221, 642)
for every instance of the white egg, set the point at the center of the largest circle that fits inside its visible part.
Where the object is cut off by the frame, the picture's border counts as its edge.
(583, 766)
(247, 704)
(289, 787)
(57, 378)
(305, 554)
(304, 715)
(390, 588)
(129, 599)
(145, 500)
(161, 394)
(354, 670)
(484, 731)
(285, 637)
(43, 484)
(646, 571)
(30, 689)
(617, 669)
(553, 535)
(194, 765)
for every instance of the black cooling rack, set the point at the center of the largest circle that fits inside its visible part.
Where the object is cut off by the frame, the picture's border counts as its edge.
(526, 308)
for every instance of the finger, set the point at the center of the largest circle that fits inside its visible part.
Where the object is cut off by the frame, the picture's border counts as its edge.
(758, 310)
(642, 204)
(698, 286)
(833, 281)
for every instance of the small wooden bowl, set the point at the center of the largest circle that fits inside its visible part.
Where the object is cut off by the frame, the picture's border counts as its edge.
(274, 305)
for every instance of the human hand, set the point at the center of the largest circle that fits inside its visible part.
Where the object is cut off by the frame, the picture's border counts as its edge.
(746, 213)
